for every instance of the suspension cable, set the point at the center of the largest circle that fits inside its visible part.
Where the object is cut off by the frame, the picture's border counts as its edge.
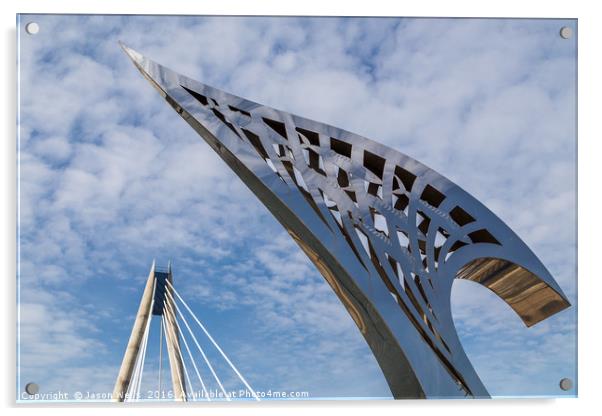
(176, 339)
(135, 380)
(194, 365)
(168, 337)
(211, 339)
(202, 352)
(144, 346)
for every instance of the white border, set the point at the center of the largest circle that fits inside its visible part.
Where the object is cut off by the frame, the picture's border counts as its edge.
(589, 155)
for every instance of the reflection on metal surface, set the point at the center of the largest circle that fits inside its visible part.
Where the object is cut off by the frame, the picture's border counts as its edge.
(531, 298)
(389, 234)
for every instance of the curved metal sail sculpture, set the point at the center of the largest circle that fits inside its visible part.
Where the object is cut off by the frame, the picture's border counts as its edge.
(387, 233)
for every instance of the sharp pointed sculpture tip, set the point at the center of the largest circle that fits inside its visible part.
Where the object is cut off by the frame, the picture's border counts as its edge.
(135, 56)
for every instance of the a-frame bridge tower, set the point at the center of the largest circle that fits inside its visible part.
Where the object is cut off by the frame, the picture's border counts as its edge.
(161, 299)
(155, 302)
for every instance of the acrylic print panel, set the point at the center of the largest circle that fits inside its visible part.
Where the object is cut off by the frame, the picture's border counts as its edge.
(371, 208)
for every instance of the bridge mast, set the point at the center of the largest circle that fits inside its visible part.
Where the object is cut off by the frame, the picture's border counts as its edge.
(173, 341)
(155, 289)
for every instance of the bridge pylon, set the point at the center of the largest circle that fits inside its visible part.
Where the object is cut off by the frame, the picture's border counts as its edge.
(154, 302)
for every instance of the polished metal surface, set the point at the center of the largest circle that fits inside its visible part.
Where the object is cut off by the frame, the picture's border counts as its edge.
(388, 234)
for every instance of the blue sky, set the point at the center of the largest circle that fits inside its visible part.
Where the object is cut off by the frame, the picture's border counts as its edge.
(111, 177)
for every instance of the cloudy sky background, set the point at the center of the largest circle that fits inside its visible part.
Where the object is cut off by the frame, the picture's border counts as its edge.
(111, 177)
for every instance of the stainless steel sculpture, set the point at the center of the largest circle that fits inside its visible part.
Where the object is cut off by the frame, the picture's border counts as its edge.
(387, 233)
